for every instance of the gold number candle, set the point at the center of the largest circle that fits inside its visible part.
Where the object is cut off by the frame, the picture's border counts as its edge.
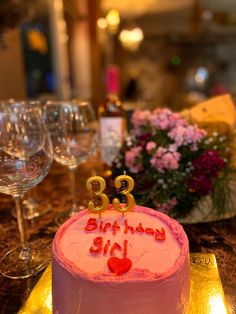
(103, 197)
(130, 199)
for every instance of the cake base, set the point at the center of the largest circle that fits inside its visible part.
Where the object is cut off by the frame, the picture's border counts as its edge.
(205, 287)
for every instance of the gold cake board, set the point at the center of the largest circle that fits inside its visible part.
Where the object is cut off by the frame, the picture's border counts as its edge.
(207, 295)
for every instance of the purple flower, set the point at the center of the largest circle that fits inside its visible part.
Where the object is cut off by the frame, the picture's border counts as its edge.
(209, 163)
(199, 183)
(142, 139)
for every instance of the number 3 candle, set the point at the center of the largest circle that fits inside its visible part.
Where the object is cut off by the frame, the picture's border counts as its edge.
(104, 199)
(126, 192)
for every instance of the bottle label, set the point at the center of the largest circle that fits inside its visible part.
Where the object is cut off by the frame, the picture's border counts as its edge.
(111, 129)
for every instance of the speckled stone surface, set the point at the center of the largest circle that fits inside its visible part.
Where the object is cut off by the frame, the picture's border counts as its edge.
(215, 237)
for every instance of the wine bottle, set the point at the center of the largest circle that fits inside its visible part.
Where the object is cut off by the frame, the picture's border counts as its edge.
(112, 118)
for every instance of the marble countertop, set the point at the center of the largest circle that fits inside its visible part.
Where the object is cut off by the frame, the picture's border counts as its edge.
(215, 237)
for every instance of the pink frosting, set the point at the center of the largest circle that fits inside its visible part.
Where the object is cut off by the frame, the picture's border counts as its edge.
(159, 276)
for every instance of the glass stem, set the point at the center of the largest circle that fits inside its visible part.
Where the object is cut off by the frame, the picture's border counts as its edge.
(25, 251)
(73, 209)
(30, 205)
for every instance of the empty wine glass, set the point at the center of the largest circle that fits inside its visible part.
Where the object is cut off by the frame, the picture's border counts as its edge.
(73, 129)
(32, 207)
(25, 158)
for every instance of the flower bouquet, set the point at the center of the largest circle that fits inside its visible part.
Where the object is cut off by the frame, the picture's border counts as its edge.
(176, 164)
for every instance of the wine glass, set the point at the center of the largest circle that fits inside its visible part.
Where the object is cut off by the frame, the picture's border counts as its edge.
(32, 207)
(73, 130)
(25, 158)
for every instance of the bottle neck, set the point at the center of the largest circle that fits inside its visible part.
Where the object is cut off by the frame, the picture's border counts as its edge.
(112, 80)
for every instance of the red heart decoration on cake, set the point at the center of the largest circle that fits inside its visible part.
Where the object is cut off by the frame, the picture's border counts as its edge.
(118, 265)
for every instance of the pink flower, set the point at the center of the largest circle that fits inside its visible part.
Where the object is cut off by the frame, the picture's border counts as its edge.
(132, 161)
(140, 118)
(165, 160)
(165, 207)
(173, 148)
(164, 119)
(187, 135)
(150, 146)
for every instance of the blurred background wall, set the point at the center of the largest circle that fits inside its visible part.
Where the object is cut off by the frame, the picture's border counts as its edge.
(12, 74)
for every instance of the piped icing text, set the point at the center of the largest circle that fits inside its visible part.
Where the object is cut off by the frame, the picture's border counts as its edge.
(93, 225)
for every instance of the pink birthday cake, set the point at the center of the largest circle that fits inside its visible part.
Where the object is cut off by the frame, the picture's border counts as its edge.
(136, 264)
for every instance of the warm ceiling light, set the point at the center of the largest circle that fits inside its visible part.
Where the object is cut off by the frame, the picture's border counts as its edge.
(131, 38)
(102, 23)
(113, 20)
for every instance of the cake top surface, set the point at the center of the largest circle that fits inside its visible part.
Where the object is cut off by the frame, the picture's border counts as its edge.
(148, 243)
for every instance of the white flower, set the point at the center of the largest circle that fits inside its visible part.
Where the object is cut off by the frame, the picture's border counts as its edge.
(222, 138)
